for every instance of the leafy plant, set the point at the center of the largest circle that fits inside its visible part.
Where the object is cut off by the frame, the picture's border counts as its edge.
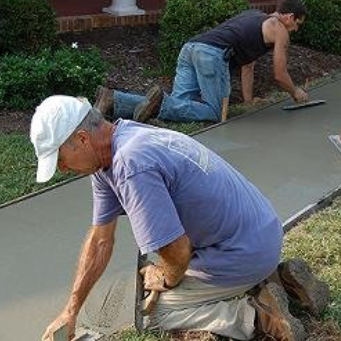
(25, 80)
(78, 72)
(26, 26)
(322, 29)
(183, 19)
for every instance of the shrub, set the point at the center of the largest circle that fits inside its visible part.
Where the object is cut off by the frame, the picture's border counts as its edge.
(26, 26)
(322, 29)
(78, 72)
(26, 80)
(182, 19)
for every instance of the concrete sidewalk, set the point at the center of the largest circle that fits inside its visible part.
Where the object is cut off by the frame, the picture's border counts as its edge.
(286, 154)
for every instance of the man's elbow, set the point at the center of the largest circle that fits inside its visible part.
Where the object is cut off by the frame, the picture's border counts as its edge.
(278, 76)
(186, 251)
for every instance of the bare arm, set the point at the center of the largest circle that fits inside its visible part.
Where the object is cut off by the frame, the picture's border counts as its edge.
(280, 60)
(174, 259)
(173, 263)
(247, 77)
(93, 260)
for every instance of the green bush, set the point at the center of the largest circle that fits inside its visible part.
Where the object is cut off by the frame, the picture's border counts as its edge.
(25, 80)
(77, 72)
(322, 29)
(182, 19)
(26, 26)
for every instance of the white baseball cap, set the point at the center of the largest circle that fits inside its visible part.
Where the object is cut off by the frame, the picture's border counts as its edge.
(55, 119)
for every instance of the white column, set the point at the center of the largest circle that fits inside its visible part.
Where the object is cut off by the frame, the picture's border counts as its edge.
(123, 7)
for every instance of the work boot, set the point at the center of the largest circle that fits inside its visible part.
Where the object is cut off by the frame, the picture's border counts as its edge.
(150, 105)
(105, 102)
(303, 286)
(273, 317)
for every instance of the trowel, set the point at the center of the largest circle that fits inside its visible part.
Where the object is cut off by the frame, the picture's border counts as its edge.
(304, 105)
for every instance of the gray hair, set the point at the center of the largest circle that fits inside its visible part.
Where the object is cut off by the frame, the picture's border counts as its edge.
(90, 123)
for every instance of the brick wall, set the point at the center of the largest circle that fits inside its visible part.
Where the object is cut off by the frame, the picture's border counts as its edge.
(89, 22)
(267, 6)
(66, 8)
(80, 15)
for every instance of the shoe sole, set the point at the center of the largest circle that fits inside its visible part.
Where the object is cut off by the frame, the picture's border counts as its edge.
(104, 101)
(303, 286)
(294, 330)
(146, 109)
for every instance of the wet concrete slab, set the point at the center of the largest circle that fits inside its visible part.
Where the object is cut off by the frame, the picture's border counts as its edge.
(286, 154)
(39, 246)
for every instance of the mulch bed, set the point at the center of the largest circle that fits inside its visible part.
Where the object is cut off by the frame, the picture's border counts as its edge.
(133, 50)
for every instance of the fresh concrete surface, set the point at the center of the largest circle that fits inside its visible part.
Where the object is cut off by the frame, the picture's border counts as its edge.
(286, 154)
(39, 246)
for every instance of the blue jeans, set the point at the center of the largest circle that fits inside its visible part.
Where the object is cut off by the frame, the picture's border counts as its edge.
(202, 80)
(125, 103)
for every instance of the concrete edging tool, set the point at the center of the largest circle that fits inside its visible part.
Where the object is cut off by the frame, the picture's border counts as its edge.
(304, 105)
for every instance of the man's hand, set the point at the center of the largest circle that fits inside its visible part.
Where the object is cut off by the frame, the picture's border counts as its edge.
(300, 96)
(154, 278)
(62, 319)
(257, 101)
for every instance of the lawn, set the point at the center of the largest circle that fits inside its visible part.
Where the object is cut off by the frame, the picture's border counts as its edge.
(18, 168)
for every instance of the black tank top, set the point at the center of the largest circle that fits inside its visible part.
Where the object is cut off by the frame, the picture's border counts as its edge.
(243, 33)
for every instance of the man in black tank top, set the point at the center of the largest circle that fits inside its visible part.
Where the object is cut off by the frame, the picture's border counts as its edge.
(205, 62)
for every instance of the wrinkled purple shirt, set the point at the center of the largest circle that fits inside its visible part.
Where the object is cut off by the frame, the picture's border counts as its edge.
(169, 184)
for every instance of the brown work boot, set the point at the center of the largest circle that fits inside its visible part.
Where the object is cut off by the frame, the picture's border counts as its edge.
(105, 102)
(303, 286)
(273, 317)
(150, 105)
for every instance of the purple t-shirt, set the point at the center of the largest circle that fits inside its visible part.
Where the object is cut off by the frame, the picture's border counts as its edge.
(169, 184)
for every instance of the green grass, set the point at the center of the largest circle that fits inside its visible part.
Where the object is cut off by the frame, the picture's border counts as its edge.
(132, 335)
(18, 168)
(318, 241)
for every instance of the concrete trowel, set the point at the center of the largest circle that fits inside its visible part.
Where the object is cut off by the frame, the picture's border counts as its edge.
(304, 105)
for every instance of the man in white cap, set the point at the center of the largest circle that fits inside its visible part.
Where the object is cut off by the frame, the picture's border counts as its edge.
(215, 234)
(53, 123)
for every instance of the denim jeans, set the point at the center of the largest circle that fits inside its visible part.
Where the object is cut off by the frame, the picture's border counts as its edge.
(125, 103)
(202, 80)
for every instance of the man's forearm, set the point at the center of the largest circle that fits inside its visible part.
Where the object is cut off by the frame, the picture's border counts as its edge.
(247, 79)
(174, 259)
(93, 260)
(173, 274)
(286, 83)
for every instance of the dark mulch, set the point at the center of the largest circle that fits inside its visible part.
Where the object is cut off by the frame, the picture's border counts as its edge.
(132, 52)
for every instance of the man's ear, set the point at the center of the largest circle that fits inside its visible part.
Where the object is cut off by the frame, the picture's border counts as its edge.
(292, 16)
(82, 137)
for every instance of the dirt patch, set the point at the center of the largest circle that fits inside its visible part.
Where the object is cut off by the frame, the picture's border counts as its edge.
(132, 52)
